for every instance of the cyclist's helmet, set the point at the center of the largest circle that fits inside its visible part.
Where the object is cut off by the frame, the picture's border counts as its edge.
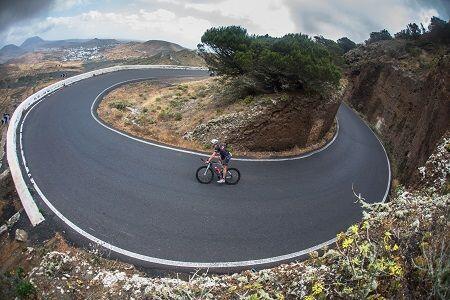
(214, 141)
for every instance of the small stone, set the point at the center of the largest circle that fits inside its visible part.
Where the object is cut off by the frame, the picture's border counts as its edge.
(3, 228)
(21, 235)
(13, 220)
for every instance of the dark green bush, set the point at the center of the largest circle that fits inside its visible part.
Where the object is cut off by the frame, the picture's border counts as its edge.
(25, 289)
(346, 44)
(377, 36)
(120, 105)
(291, 62)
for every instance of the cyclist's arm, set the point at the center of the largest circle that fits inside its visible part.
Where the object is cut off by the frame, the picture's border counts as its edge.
(212, 156)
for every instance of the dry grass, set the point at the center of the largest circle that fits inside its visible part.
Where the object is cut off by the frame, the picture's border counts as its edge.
(166, 111)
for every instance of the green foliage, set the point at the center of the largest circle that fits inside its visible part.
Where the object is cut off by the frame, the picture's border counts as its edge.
(438, 32)
(333, 47)
(293, 61)
(120, 105)
(249, 100)
(346, 44)
(144, 119)
(25, 289)
(168, 114)
(412, 32)
(177, 116)
(379, 36)
(14, 285)
(183, 87)
(177, 103)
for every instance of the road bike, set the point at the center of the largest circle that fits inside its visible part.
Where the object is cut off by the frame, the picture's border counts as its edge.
(205, 174)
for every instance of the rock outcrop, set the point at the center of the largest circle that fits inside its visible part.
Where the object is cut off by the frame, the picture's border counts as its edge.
(274, 122)
(404, 91)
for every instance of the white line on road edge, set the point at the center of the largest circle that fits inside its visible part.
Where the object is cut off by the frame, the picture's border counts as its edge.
(28, 203)
(101, 94)
(164, 262)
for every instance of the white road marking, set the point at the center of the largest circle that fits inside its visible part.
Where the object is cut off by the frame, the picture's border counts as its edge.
(173, 263)
(100, 95)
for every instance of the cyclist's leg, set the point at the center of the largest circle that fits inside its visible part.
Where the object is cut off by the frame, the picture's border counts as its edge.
(225, 163)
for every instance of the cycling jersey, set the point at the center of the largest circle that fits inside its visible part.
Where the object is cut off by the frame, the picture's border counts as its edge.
(224, 154)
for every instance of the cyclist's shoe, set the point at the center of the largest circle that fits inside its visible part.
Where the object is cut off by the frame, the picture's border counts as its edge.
(221, 181)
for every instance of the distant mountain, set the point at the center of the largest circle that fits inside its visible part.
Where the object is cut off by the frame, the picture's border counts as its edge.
(139, 50)
(159, 46)
(32, 43)
(37, 43)
(152, 51)
(10, 51)
(100, 43)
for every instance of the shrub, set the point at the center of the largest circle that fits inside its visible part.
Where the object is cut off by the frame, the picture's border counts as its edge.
(248, 100)
(178, 116)
(346, 44)
(25, 289)
(120, 105)
(177, 102)
(183, 87)
(335, 50)
(165, 114)
(293, 61)
(379, 36)
(412, 32)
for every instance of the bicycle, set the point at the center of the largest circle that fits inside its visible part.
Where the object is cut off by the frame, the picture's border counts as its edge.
(205, 174)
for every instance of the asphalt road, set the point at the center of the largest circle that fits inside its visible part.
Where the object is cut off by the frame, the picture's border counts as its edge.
(145, 199)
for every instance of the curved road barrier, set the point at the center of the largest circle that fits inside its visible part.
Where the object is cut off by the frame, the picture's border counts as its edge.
(140, 199)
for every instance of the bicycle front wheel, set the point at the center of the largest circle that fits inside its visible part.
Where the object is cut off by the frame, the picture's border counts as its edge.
(233, 176)
(204, 175)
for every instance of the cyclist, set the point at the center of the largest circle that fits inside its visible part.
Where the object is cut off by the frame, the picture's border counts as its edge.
(225, 157)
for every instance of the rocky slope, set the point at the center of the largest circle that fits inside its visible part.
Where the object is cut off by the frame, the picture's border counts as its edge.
(274, 122)
(190, 114)
(400, 250)
(403, 89)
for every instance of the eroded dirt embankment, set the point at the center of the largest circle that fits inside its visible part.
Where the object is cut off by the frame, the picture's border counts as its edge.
(405, 95)
(190, 114)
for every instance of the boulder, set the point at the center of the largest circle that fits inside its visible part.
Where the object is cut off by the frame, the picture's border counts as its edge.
(21, 235)
(13, 220)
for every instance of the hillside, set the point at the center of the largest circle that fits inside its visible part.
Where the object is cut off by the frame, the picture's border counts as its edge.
(53, 50)
(9, 52)
(138, 50)
(97, 53)
(400, 249)
(36, 43)
(403, 89)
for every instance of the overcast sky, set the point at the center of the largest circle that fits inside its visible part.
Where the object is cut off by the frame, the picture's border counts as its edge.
(184, 22)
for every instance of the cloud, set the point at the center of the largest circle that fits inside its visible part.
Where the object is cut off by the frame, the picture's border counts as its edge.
(441, 6)
(63, 5)
(184, 21)
(356, 19)
(15, 11)
(141, 25)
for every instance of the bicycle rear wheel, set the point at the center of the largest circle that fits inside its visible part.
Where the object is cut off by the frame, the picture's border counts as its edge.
(233, 176)
(204, 175)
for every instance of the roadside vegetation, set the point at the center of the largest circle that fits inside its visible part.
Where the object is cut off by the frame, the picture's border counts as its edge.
(292, 62)
(399, 250)
(174, 112)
